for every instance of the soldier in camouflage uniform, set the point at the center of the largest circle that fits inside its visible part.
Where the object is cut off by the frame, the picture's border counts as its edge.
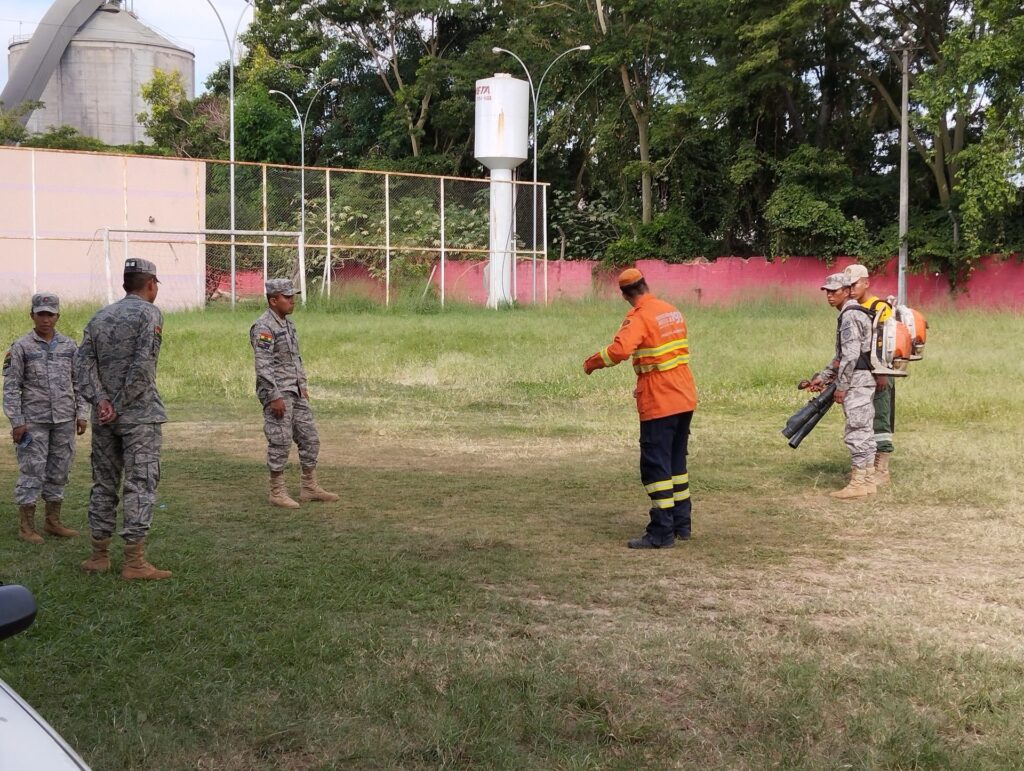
(281, 389)
(46, 408)
(855, 385)
(117, 369)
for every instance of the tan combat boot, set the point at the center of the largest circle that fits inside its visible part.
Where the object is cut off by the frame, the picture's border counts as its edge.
(278, 494)
(311, 489)
(869, 480)
(27, 528)
(882, 468)
(53, 525)
(135, 566)
(858, 487)
(99, 560)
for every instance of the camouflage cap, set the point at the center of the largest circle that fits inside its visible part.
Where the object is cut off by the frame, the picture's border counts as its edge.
(45, 302)
(139, 265)
(836, 281)
(280, 286)
(855, 272)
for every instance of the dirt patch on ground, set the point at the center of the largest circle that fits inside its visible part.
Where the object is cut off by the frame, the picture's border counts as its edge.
(364, 446)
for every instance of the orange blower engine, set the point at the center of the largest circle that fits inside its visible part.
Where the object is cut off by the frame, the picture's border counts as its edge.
(910, 334)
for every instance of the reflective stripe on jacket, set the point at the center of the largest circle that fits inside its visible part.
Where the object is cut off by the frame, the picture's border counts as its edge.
(654, 334)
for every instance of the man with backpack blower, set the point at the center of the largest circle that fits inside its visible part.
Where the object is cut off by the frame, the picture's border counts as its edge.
(850, 370)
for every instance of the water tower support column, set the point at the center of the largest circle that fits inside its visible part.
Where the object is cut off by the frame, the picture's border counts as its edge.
(499, 289)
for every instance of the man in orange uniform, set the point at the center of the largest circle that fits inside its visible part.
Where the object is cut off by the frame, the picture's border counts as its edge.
(654, 334)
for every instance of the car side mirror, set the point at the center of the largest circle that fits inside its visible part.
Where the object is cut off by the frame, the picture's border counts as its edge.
(17, 610)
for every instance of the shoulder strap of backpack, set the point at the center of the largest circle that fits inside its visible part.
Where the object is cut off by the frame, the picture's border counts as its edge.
(861, 308)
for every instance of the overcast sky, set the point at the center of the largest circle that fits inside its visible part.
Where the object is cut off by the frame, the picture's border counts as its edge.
(189, 23)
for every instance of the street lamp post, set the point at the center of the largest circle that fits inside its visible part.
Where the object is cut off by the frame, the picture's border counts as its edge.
(302, 119)
(535, 97)
(232, 42)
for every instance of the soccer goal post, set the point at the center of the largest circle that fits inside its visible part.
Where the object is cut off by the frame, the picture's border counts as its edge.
(197, 267)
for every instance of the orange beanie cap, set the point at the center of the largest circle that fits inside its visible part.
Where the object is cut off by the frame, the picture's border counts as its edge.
(630, 276)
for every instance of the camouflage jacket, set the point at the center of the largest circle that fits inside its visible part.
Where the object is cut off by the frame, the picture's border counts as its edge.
(852, 364)
(278, 362)
(117, 360)
(40, 384)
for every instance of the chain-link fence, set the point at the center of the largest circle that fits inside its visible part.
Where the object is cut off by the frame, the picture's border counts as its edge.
(258, 255)
(390, 233)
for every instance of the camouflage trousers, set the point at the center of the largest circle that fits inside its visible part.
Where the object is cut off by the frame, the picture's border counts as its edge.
(859, 409)
(297, 425)
(131, 452)
(45, 463)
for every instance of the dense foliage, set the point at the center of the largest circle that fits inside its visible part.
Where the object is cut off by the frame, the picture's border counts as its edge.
(691, 127)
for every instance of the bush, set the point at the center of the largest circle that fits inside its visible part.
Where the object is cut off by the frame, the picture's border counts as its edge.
(627, 251)
(587, 227)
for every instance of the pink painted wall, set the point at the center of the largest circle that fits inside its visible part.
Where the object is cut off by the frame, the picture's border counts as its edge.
(994, 283)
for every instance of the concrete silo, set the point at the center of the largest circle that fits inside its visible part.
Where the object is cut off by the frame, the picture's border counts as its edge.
(87, 62)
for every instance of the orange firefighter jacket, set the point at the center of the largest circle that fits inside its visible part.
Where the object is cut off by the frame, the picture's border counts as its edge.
(654, 334)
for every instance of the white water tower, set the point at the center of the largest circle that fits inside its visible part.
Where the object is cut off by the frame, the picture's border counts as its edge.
(502, 120)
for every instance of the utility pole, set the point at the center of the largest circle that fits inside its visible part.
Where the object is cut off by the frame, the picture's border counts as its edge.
(901, 280)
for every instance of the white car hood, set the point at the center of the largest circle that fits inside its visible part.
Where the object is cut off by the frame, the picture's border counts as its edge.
(29, 743)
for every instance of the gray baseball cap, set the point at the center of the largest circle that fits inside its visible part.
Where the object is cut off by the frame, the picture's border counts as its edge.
(836, 281)
(280, 286)
(45, 302)
(139, 265)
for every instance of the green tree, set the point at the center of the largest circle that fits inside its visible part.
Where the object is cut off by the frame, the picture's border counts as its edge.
(12, 127)
(635, 39)
(406, 47)
(195, 128)
(966, 105)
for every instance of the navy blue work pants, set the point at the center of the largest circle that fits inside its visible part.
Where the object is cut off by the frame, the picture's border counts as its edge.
(663, 473)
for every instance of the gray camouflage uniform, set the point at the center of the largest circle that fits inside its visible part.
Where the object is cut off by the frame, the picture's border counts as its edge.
(851, 371)
(280, 375)
(41, 393)
(117, 362)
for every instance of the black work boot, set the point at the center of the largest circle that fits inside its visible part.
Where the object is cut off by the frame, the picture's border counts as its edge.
(681, 520)
(659, 531)
(646, 542)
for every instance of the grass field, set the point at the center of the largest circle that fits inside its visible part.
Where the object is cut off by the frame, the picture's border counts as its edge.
(470, 603)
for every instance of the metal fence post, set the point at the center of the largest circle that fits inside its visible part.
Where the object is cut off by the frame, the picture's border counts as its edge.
(515, 237)
(533, 261)
(442, 242)
(327, 224)
(544, 229)
(200, 273)
(302, 265)
(387, 239)
(201, 261)
(266, 249)
(232, 169)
